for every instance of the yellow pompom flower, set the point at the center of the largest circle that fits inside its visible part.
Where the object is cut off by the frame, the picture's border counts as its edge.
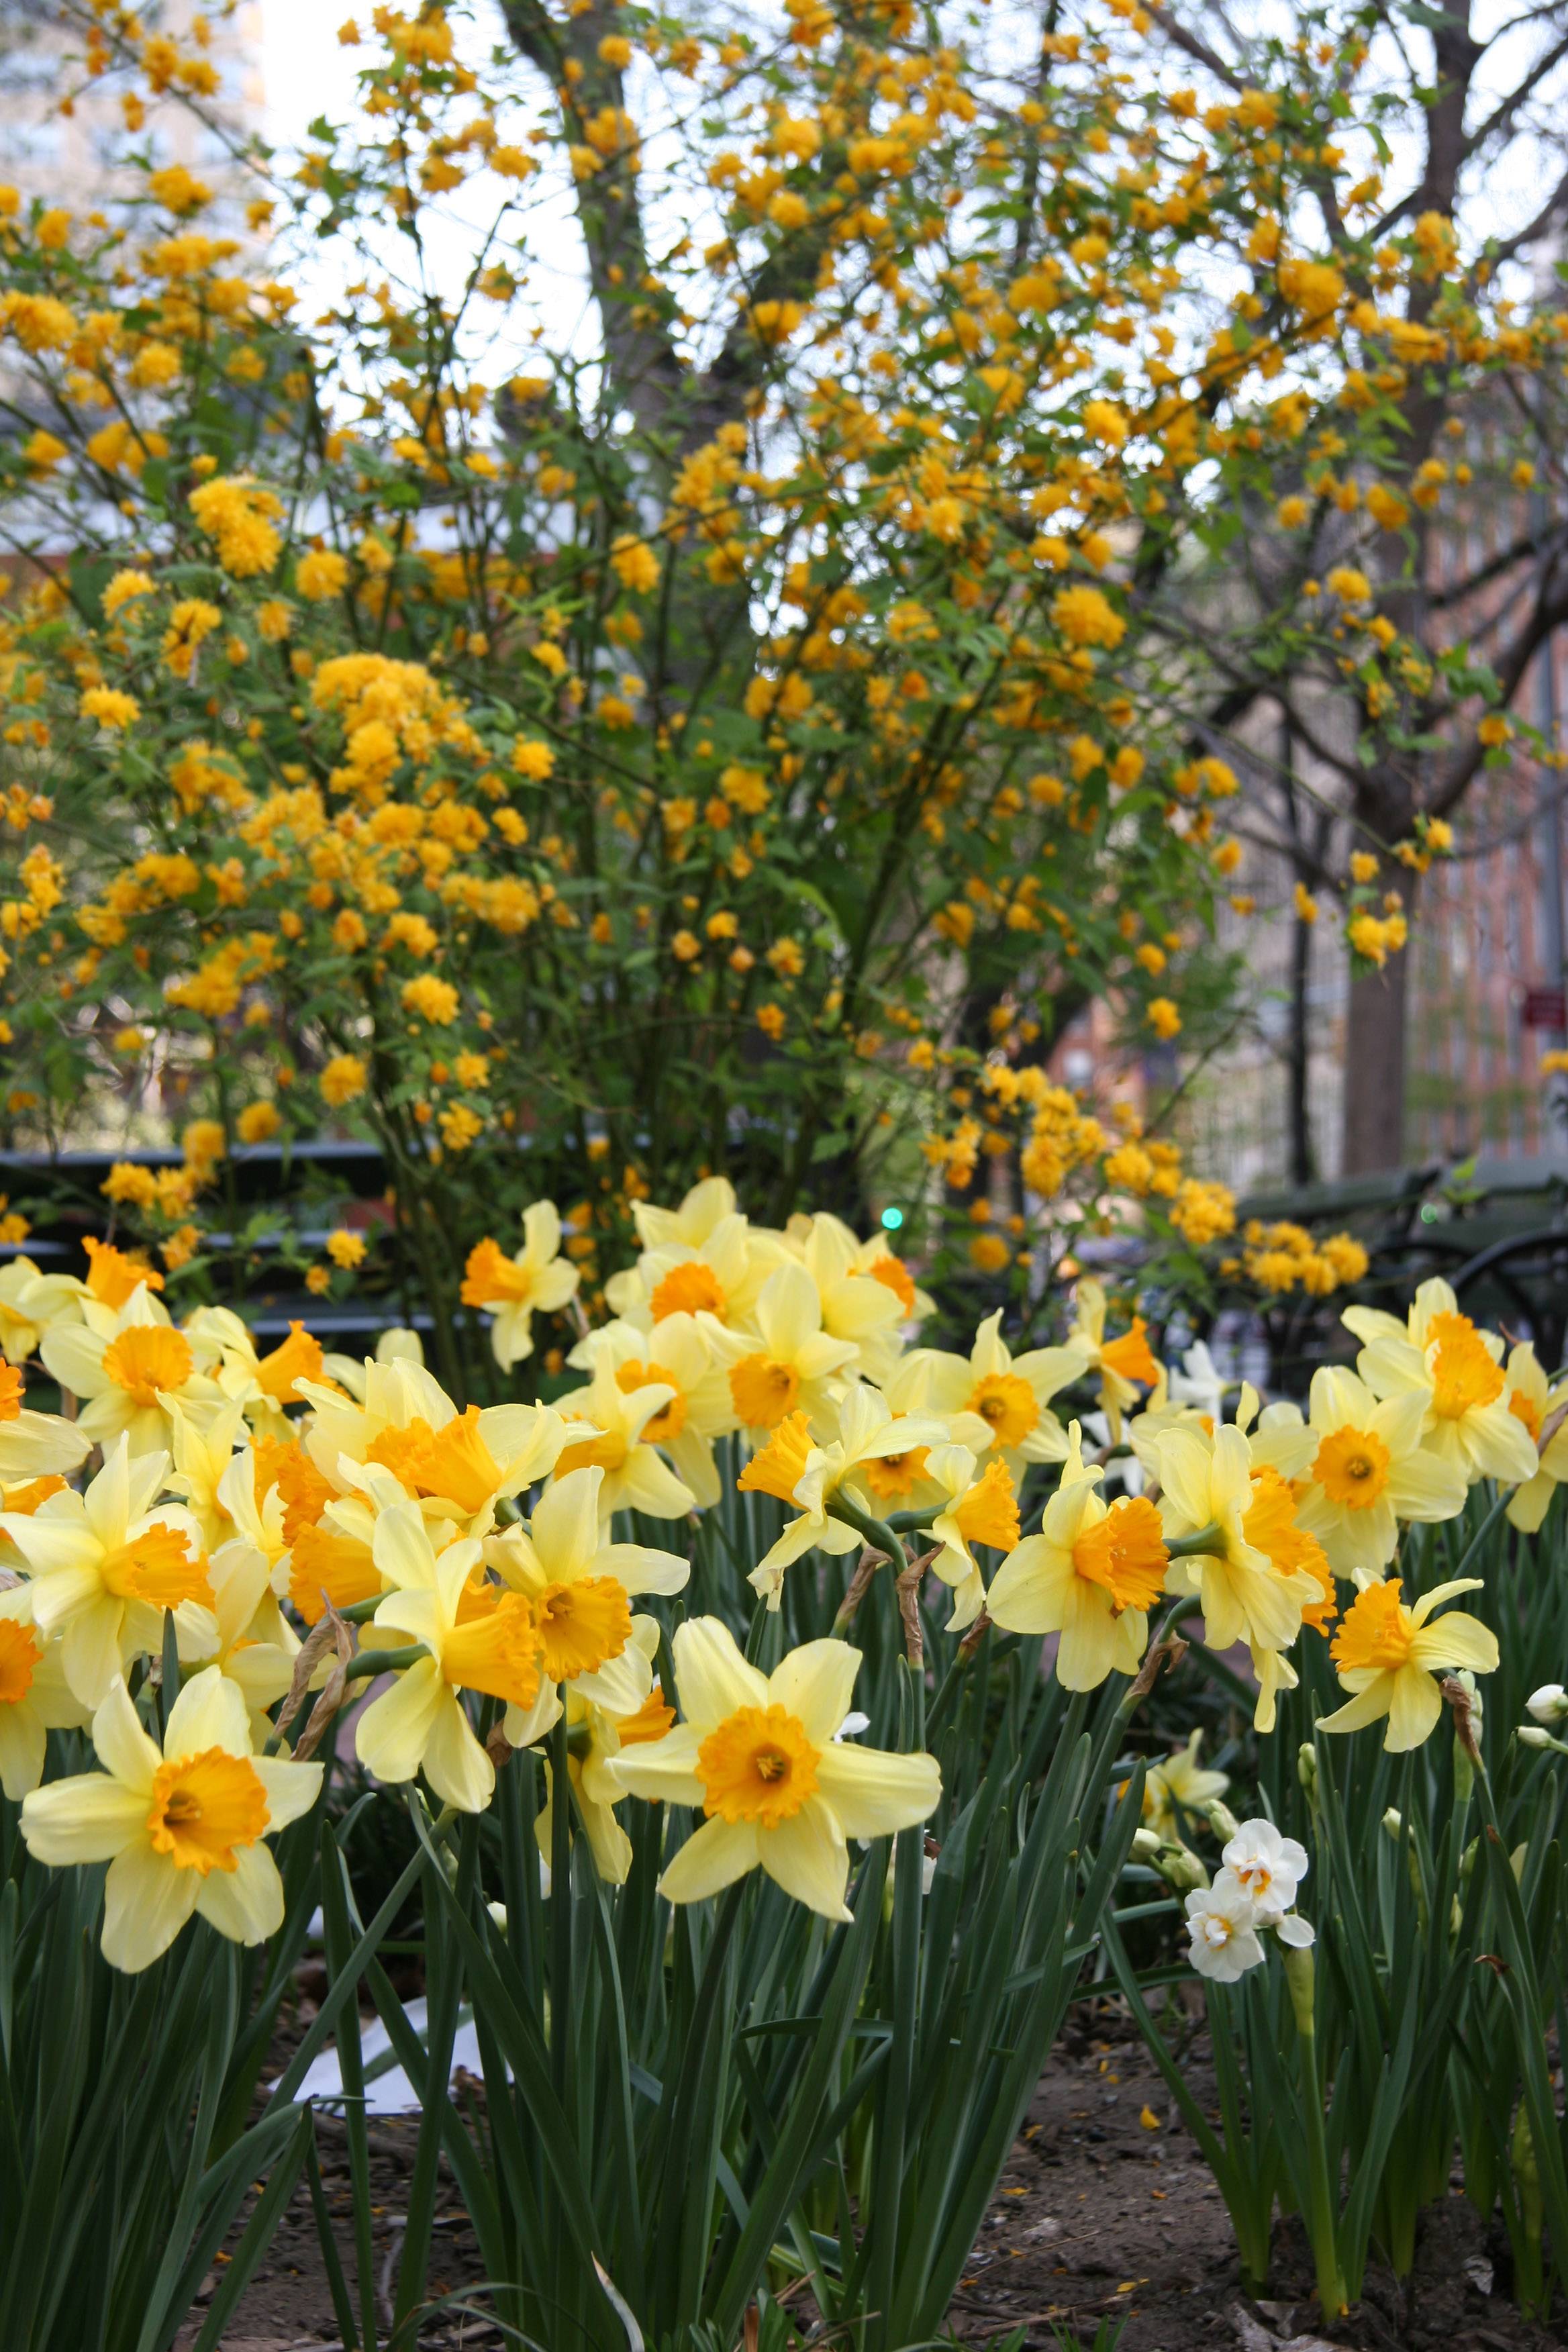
(778, 1788)
(1390, 1657)
(180, 1826)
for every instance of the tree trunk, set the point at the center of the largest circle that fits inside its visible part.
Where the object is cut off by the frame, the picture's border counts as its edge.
(1374, 1070)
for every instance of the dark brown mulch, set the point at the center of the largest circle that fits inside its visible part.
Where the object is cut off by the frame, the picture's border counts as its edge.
(1106, 2210)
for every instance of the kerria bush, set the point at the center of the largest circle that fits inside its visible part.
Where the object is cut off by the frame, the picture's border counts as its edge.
(766, 1711)
(740, 735)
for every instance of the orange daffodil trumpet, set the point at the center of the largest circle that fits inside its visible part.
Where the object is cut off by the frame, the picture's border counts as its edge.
(1389, 1658)
(1454, 1370)
(760, 1756)
(1091, 1576)
(533, 1280)
(182, 1826)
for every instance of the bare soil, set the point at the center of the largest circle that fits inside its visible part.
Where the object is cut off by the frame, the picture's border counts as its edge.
(1106, 2212)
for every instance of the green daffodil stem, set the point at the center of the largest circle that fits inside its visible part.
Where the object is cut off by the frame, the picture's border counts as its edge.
(1323, 2214)
(1202, 1539)
(875, 1531)
(365, 1663)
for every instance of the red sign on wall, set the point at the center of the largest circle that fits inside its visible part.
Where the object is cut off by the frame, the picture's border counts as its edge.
(1545, 1008)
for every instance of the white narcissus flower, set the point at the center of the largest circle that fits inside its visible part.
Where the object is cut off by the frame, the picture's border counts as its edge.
(537, 1280)
(105, 1567)
(180, 1827)
(1221, 1930)
(758, 1755)
(1269, 1866)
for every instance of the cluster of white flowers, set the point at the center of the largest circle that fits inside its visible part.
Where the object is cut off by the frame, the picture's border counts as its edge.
(1254, 1895)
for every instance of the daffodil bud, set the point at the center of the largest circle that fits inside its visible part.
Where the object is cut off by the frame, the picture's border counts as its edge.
(1145, 1846)
(1180, 1869)
(1533, 1734)
(1548, 1705)
(1394, 1822)
(1307, 1769)
(1221, 1820)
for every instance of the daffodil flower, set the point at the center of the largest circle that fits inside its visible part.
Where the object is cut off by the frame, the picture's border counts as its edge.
(721, 1276)
(1221, 1930)
(1250, 1578)
(479, 1638)
(458, 1465)
(580, 1589)
(1370, 1471)
(256, 1648)
(34, 1696)
(203, 1439)
(35, 1445)
(704, 1207)
(266, 1385)
(1010, 1394)
(1533, 1401)
(1179, 1784)
(1456, 1372)
(537, 1280)
(1123, 1363)
(31, 1302)
(757, 1753)
(794, 1364)
(863, 1291)
(690, 1356)
(180, 1827)
(795, 1470)
(980, 1509)
(595, 1735)
(1389, 1656)
(635, 1478)
(1091, 1575)
(105, 1568)
(129, 1374)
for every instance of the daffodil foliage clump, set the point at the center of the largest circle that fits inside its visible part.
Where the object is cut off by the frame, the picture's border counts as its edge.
(706, 729)
(766, 1710)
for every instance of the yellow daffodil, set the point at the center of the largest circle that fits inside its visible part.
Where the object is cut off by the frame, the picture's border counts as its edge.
(1179, 1784)
(1534, 1402)
(130, 1374)
(1253, 1576)
(858, 1304)
(479, 1638)
(799, 1472)
(759, 1755)
(1123, 1363)
(1091, 1575)
(705, 1206)
(1389, 1656)
(458, 1466)
(721, 1276)
(268, 1385)
(105, 1567)
(30, 1303)
(617, 1442)
(1456, 1371)
(594, 1735)
(1370, 1471)
(202, 1440)
(34, 1696)
(180, 1827)
(690, 1356)
(977, 1509)
(1011, 1394)
(35, 1445)
(794, 1363)
(255, 1647)
(537, 1280)
(580, 1588)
